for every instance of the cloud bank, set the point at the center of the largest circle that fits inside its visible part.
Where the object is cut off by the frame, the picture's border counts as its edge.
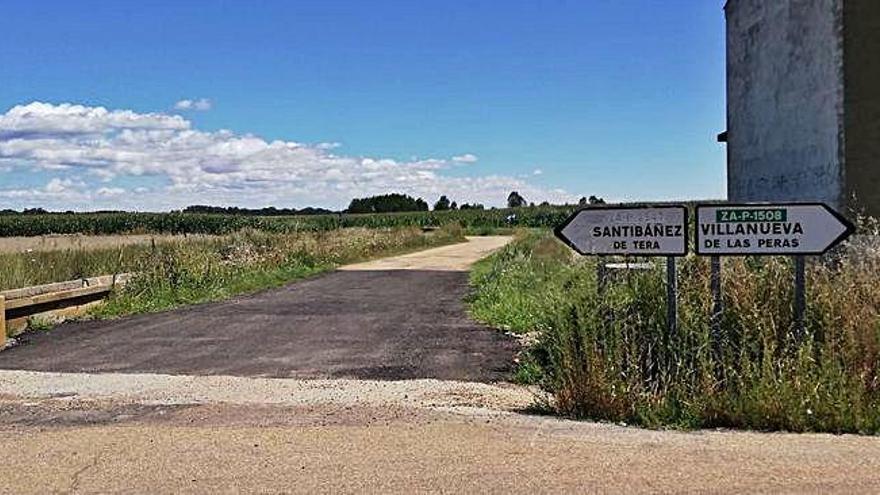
(98, 158)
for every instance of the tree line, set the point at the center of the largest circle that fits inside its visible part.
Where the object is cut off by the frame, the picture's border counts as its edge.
(384, 203)
(270, 211)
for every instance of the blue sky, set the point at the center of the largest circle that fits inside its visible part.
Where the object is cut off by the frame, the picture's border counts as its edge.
(618, 98)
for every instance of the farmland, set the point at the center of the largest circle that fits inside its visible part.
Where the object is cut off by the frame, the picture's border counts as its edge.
(220, 224)
(174, 271)
(475, 221)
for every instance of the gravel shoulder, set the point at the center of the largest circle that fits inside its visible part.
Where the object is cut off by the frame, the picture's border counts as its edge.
(184, 390)
(454, 258)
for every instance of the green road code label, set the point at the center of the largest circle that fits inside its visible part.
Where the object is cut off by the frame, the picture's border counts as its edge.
(751, 215)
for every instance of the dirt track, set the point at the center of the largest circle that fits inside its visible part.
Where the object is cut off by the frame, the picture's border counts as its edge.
(180, 433)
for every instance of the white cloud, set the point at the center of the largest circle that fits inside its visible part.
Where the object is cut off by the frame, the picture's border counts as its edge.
(46, 121)
(202, 104)
(57, 185)
(537, 171)
(465, 158)
(55, 191)
(110, 191)
(169, 164)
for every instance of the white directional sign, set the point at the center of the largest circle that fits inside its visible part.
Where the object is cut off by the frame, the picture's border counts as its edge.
(641, 231)
(797, 228)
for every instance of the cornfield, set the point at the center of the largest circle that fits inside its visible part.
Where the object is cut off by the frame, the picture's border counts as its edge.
(218, 224)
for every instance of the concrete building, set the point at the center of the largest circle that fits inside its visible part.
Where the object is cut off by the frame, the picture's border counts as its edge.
(803, 111)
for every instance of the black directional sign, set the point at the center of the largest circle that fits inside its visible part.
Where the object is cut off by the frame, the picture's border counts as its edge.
(769, 229)
(640, 231)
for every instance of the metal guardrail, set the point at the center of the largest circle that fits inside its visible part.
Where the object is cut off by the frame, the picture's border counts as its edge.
(69, 298)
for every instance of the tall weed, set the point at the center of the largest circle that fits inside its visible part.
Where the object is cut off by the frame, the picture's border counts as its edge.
(610, 356)
(179, 273)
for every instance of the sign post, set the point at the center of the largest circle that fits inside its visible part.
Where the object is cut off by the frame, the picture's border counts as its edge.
(786, 229)
(717, 302)
(794, 229)
(671, 300)
(800, 295)
(631, 231)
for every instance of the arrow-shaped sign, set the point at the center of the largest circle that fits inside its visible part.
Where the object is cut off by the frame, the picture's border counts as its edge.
(769, 229)
(641, 231)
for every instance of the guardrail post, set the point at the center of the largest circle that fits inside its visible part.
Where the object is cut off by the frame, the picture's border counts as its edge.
(2, 322)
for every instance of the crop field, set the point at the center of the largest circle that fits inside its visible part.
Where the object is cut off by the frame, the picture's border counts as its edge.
(610, 356)
(220, 224)
(198, 268)
(176, 223)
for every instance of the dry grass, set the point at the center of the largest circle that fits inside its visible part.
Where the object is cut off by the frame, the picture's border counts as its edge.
(85, 242)
(87, 256)
(180, 273)
(612, 357)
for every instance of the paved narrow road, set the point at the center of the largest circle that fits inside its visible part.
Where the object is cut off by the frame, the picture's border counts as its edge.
(397, 318)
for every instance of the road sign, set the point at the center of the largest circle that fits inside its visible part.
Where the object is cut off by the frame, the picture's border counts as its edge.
(639, 231)
(769, 229)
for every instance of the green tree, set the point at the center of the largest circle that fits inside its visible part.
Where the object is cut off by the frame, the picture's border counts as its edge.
(442, 204)
(515, 200)
(386, 203)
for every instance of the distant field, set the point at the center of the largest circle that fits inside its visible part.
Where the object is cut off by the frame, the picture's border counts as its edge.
(473, 221)
(61, 258)
(218, 224)
(61, 242)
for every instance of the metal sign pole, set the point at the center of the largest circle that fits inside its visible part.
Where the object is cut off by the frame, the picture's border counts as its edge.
(717, 299)
(671, 300)
(600, 275)
(800, 295)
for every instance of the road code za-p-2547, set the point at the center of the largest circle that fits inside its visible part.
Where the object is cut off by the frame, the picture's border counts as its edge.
(638, 231)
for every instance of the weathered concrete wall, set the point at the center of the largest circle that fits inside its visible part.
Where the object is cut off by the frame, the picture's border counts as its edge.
(785, 100)
(862, 103)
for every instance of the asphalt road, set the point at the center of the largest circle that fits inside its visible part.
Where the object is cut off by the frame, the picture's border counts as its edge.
(399, 318)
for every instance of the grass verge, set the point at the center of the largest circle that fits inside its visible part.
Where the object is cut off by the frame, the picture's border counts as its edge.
(183, 273)
(612, 357)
